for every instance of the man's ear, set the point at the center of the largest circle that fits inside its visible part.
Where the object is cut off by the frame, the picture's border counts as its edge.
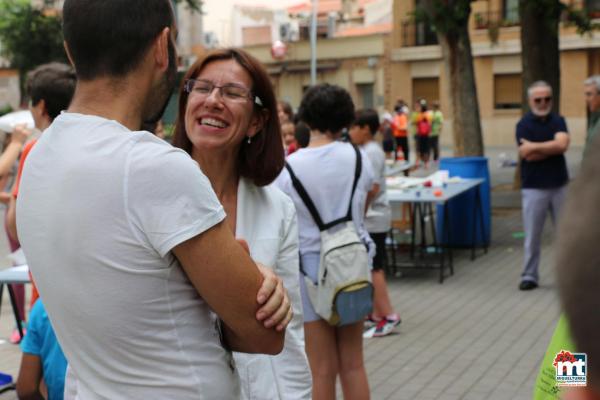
(161, 49)
(66, 46)
(42, 105)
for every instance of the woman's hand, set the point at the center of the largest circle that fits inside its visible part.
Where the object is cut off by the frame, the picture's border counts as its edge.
(276, 308)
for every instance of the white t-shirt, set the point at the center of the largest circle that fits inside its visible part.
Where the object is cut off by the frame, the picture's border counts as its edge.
(99, 209)
(379, 214)
(327, 174)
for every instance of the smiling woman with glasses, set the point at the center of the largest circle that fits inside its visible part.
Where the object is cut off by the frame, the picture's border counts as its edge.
(228, 122)
(230, 92)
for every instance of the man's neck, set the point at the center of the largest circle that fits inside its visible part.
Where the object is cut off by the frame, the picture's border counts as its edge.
(541, 117)
(110, 99)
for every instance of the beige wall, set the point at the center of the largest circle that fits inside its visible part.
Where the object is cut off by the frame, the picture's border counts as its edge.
(574, 70)
(484, 76)
(349, 60)
(327, 49)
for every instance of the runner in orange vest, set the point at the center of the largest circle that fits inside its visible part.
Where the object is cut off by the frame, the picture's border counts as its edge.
(400, 131)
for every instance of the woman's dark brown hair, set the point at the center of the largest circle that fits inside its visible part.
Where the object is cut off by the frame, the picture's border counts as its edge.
(261, 160)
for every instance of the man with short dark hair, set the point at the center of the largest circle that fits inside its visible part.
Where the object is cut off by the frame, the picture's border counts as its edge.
(146, 287)
(542, 139)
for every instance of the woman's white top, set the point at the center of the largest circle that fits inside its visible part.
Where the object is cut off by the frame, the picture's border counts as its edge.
(266, 219)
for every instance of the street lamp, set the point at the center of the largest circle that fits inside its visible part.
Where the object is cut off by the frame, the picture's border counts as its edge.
(313, 43)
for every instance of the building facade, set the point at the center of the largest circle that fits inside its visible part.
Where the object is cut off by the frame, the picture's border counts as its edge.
(417, 69)
(353, 48)
(356, 63)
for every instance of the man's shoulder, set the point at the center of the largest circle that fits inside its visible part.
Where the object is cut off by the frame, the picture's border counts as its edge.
(155, 150)
(151, 161)
(556, 117)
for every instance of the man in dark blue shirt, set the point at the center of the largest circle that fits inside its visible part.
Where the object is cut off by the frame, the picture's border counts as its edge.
(542, 139)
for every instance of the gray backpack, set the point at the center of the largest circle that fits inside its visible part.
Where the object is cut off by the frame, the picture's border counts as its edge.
(343, 293)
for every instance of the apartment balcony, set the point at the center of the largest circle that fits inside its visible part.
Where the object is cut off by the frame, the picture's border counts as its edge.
(497, 19)
(417, 34)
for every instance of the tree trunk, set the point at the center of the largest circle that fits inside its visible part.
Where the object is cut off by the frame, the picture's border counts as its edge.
(540, 57)
(450, 18)
(458, 61)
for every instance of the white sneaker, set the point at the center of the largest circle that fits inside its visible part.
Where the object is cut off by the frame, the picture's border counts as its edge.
(385, 327)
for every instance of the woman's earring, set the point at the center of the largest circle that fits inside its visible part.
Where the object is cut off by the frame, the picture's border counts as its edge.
(249, 139)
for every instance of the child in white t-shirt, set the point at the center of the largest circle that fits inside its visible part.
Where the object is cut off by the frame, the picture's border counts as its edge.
(378, 221)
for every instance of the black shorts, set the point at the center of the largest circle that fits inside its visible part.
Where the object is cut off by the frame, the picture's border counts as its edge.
(380, 258)
(423, 144)
(388, 145)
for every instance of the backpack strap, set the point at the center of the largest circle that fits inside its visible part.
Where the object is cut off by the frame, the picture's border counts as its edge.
(357, 171)
(305, 198)
(311, 206)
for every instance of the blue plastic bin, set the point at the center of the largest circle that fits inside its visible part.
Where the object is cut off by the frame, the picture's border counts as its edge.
(460, 209)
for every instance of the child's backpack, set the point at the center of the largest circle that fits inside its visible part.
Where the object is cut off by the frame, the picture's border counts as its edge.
(343, 293)
(423, 126)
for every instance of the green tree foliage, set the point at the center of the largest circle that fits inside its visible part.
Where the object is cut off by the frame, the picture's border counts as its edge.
(29, 36)
(540, 22)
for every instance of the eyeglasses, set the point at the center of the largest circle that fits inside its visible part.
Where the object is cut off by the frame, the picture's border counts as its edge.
(539, 100)
(230, 93)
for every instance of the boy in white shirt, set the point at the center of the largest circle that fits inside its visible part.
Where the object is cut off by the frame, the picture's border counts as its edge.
(378, 220)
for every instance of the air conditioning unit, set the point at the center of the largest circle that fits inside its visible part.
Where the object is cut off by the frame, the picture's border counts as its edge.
(284, 32)
(289, 32)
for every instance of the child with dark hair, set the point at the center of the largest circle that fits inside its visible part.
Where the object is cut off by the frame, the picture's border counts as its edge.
(288, 136)
(285, 112)
(378, 222)
(326, 169)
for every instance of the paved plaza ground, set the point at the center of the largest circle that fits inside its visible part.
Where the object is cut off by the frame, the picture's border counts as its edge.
(476, 336)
